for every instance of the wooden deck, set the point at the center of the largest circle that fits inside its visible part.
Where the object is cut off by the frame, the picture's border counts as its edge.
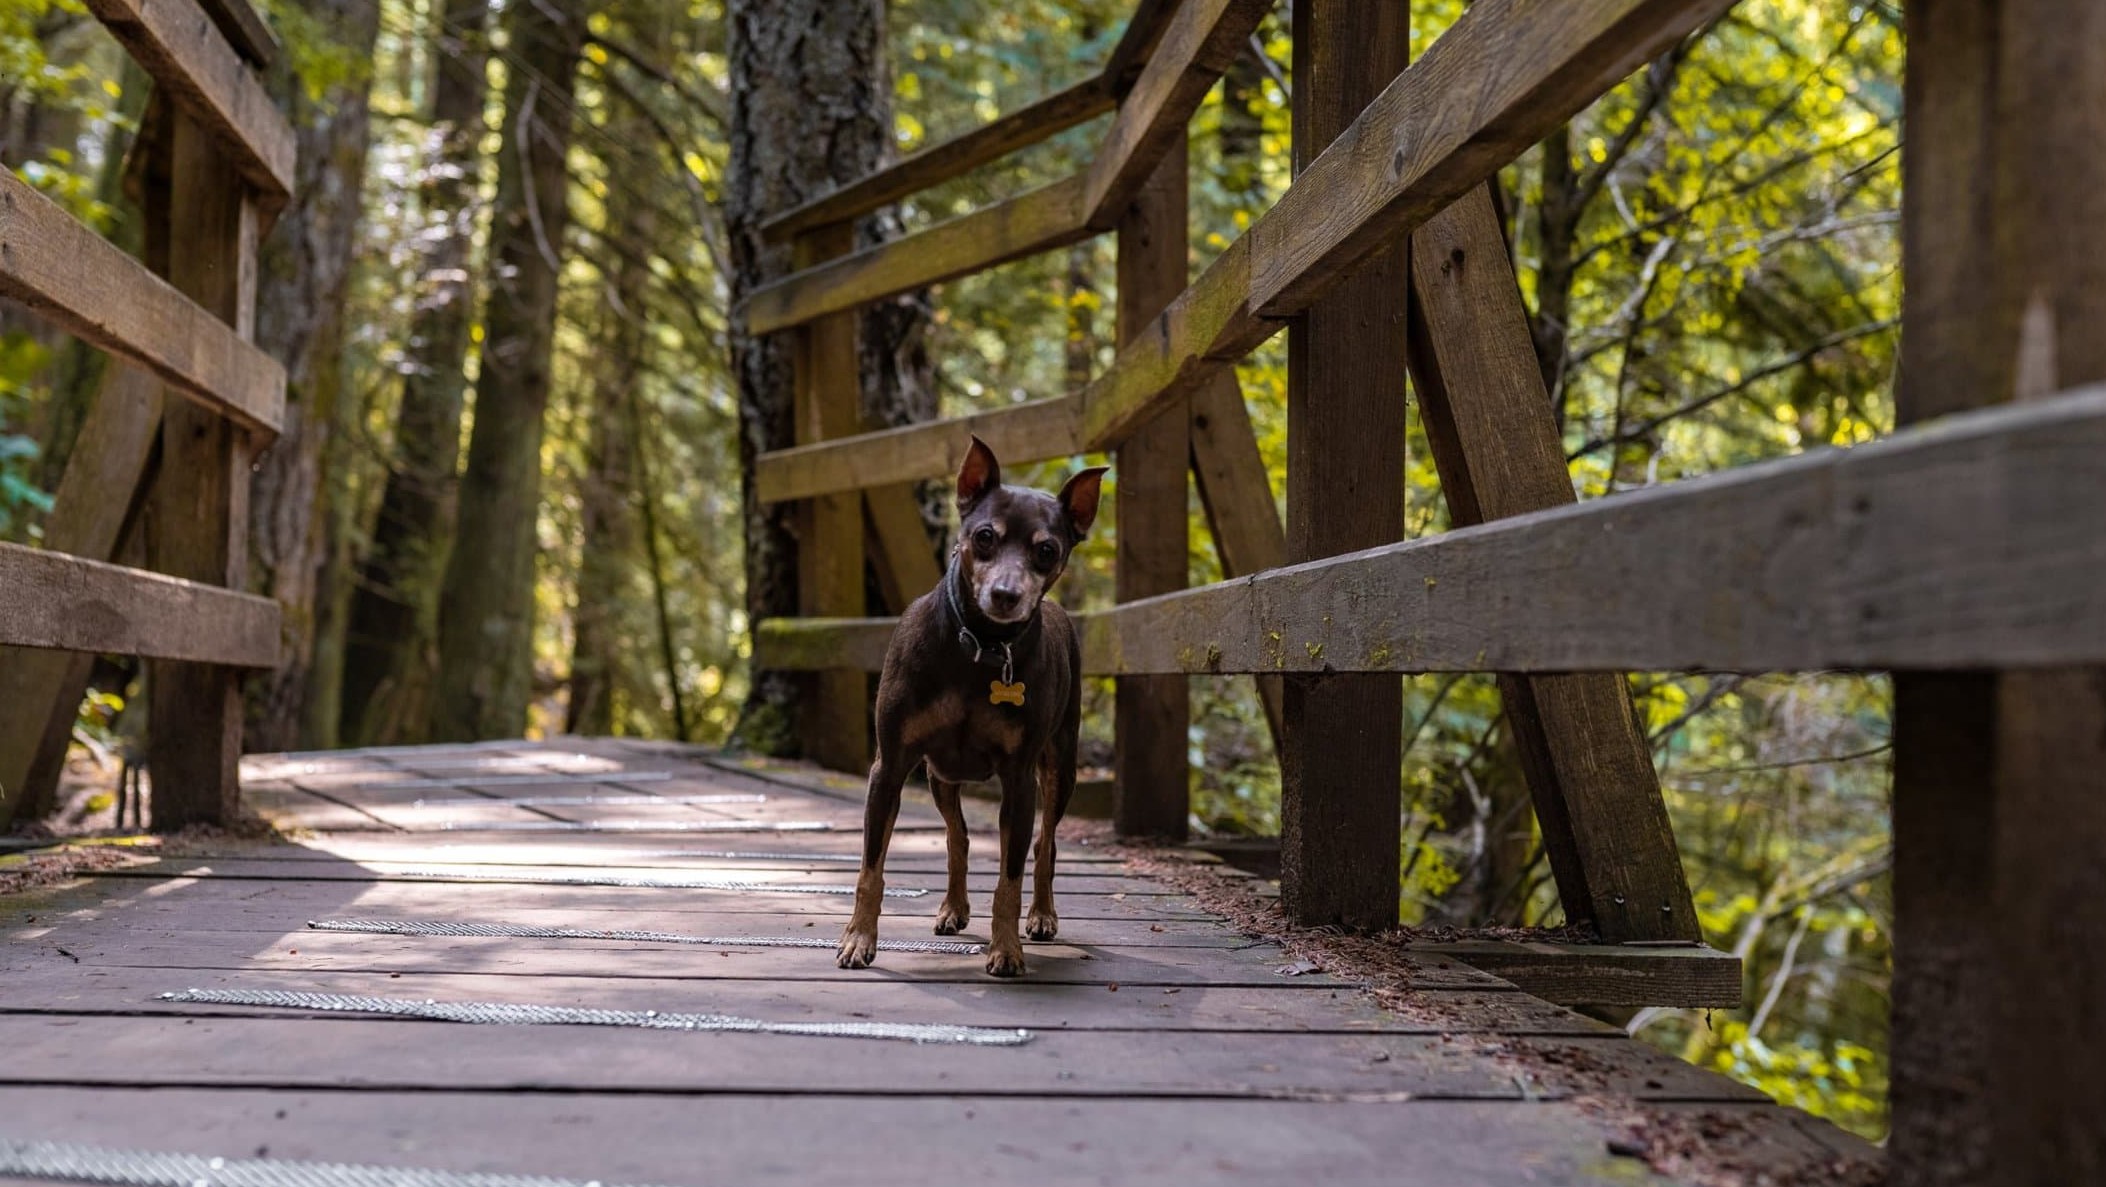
(1166, 1047)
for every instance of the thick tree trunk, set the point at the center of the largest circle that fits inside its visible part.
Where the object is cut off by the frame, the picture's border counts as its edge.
(810, 109)
(393, 614)
(304, 268)
(486, 606)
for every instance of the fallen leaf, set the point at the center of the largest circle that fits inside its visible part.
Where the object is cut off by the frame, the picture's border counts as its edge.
(1298, 968)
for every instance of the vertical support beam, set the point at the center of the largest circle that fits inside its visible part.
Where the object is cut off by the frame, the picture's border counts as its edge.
(1495, 442)
(900, 551)
(835, 717)
(1152, 781)
(1346, 357)
(200, 501)
(2000, 779)
(1237, 494)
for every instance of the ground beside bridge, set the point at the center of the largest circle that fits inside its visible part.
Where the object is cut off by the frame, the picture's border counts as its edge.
(465, 882)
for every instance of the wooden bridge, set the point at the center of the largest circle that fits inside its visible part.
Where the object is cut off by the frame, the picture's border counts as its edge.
(1967, 555)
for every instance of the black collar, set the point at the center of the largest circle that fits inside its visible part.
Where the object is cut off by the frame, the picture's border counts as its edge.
(988, 642)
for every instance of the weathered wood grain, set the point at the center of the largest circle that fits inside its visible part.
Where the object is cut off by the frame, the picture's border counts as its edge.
(1137, 42)
(901, 553)
(1032, 431)
(1151, 715)
(66, 272)
(949, 159)
(1503, 75)
(51, 600)
(1040, 220)
(1604, 974)
(1200, 41)
(185, 50)
(1495, 442)
(1236, 492)
(245, 29)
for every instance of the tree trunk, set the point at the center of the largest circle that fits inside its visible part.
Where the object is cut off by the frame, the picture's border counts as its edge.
(486, 606)
(393, 614)
(810, 109)
(304, 267)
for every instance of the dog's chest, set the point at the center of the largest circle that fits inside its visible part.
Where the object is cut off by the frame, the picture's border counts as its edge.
(967, 739)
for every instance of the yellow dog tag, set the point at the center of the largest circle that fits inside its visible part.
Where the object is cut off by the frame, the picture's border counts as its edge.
(999, 693)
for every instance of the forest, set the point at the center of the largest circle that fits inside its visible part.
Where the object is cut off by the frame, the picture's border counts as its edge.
(513, 496)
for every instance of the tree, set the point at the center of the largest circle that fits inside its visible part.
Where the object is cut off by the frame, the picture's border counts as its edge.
(486, 606)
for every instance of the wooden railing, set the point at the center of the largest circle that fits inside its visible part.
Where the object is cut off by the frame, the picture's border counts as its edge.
(165, 482)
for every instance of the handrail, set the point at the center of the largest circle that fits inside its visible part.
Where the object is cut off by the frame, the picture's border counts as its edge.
(1467, 107)
(52, 600)
(1824, 560)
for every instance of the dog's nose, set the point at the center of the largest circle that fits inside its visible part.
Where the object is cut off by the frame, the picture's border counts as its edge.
(1003, 598)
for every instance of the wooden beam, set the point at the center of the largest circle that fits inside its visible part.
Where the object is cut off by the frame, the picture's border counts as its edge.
(1034, 431)
(1041, 220)
(1506, 73)
(1237, 494)
(816, 644)
(185, 51)
(1691, 977)
(941, 162)
(51, 600)
(62, 270)
(834, 719)
(1495, 442)
(1200, 42)
(1152, 714)
(903, 557)
(245, 29)
(1340, 775)
(1137, 42)
(1965, 545)
(200, 502)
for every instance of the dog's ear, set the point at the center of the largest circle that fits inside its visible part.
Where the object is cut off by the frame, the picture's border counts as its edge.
(980, 474)
(1079, 499)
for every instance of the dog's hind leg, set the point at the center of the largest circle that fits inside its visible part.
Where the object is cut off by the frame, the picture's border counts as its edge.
(1005, 950)
(957, 909)
(887, 775)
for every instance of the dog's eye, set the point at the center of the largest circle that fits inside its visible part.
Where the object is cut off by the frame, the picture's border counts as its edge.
(1048, 554)
(984, 539)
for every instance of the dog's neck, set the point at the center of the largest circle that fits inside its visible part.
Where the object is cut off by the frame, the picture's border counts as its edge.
(982, 637)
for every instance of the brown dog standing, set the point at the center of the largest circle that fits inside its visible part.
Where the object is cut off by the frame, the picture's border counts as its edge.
(983, 680)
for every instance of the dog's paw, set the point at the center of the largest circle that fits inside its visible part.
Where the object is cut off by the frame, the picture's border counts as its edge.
(1041, 925)
(952, 918)
(1005, 960)
(858, 949)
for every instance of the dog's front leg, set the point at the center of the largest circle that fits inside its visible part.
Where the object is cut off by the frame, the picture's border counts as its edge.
(957, 909)
(880, 809)
(1005, 951)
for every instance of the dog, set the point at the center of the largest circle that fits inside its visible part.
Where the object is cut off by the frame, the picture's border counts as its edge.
(983, 679)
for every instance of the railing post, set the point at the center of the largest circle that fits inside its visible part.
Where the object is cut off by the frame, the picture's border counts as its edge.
(1152, 786)
(200, 502)
(1340, 767)
(2000, 778)
(834, 720)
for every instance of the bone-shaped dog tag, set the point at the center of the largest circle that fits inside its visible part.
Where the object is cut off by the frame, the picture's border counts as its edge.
(999, 693)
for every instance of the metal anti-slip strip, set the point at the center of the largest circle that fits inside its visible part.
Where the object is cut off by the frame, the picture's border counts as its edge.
(629, 826)
(575, 801)
(513, 1014)
(431, 927)
(153, 1168)
(726, 884)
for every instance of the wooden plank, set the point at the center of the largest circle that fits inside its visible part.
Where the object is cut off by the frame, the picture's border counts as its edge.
(902, 555)
(1040, 220)
(1237, 494)
(69, 274)
(1137, 42)
(1032, 431)
(245, 28)
(186, 52)
(1964, 545)
(1495, 442)
(834, 718)
(1346, 357)
(52, 600)
(949, 159)
(200, 500)
(44, 688)
(1694, 977)
(1501, 77)
(1152, 714)
(1201, 40)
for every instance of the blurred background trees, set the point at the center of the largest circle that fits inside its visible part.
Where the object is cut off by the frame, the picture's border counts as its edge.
(509, 496)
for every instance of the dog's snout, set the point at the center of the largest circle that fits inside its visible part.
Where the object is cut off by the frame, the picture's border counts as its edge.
(1005, 598)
